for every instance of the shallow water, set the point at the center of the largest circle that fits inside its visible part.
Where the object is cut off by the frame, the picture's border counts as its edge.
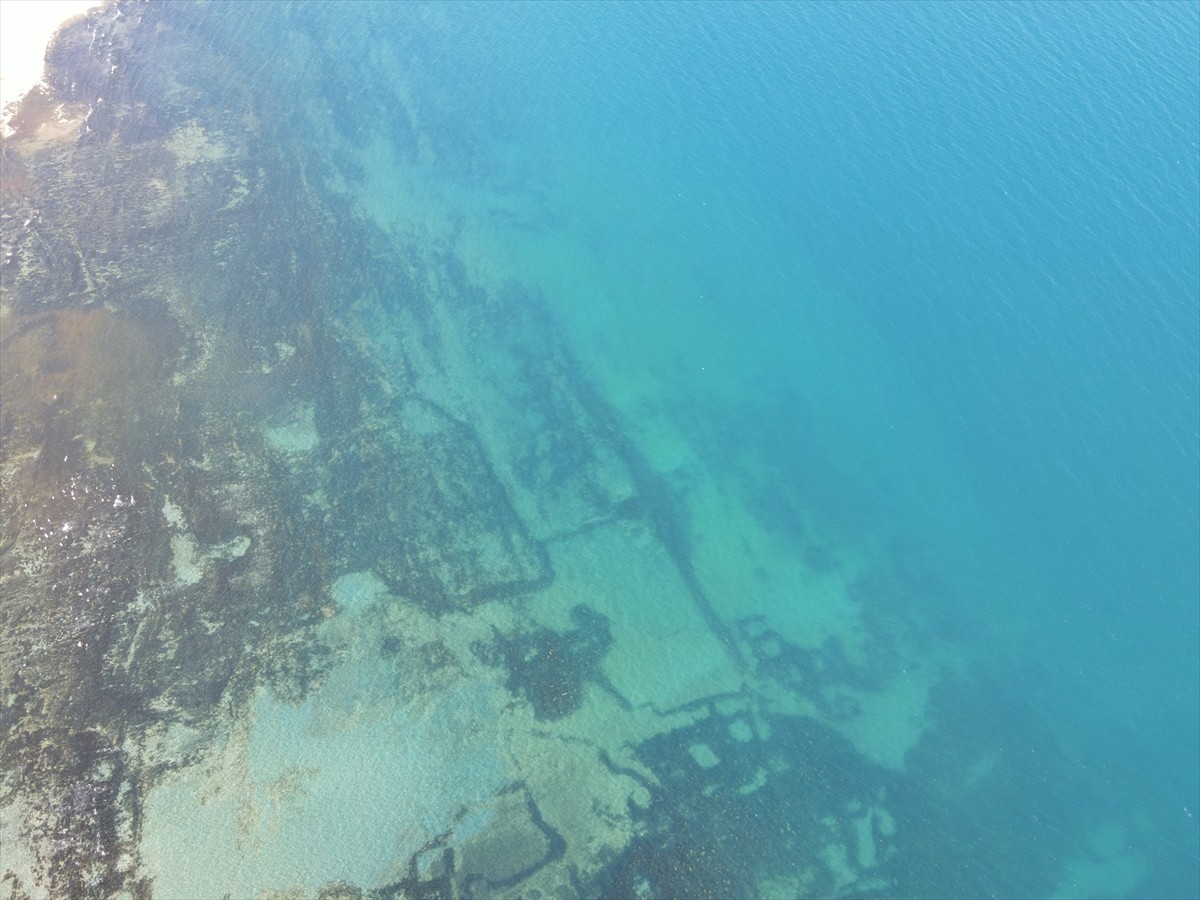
(511, 450)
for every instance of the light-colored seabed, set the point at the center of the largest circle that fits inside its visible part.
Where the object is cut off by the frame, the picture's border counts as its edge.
(387, 756)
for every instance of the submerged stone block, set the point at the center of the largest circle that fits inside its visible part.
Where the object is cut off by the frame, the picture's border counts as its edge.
(444, 529)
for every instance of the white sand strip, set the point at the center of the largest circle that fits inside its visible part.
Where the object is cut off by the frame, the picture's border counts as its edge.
(26, 27)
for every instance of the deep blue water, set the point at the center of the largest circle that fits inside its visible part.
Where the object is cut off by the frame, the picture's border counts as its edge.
(952, 245)
(837, 369)
(927, 273)
(995, 207)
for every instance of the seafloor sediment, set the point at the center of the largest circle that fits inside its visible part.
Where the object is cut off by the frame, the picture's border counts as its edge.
(327, 570)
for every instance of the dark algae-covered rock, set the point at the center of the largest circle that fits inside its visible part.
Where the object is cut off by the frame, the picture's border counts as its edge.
(550, 669)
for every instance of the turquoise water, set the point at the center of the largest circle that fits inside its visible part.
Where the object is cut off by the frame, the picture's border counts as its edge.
(735, 449)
